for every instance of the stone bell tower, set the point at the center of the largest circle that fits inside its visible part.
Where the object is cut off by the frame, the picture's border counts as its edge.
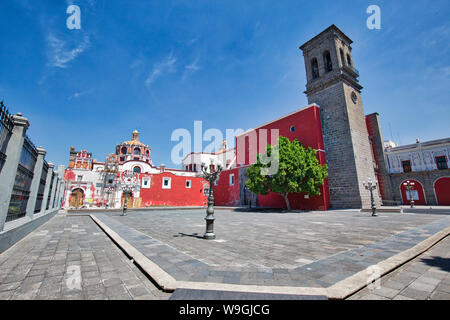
(332, 83)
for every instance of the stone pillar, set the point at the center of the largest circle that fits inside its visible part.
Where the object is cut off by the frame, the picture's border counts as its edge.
(52, 196)
(8, 173)
(36, 181)
(60, 186)
(48, 180)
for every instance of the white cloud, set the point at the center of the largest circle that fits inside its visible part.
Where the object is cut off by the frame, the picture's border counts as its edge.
(60, 55)
(79, 94)
(191, 68)
(161, 68)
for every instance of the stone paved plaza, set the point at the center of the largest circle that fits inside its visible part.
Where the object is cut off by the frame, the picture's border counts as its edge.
(314, 250)
(271, 240)
(69, 257)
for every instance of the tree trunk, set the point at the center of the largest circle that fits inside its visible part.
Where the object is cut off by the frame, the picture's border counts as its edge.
(288, 205)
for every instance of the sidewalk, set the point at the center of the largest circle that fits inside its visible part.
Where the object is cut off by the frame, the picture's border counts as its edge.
(70, 258)
(426, 277)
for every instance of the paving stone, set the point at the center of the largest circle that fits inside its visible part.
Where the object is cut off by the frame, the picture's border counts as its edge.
(440, 296)
(386, 292)
(422, 286)
(415, 294)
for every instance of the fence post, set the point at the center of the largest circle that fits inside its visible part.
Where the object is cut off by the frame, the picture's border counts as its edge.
(52, 196)
(61, 186)
(9, 170)
(35, 183)
(48, 180)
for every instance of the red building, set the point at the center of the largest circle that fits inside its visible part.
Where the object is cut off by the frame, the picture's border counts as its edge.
(303, 125)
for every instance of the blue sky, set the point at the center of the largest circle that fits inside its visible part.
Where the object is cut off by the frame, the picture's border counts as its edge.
(156, 66)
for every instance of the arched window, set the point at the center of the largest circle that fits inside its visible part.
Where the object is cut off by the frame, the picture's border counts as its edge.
(137, 151)
(327, 61)
(137, 169)
(349, 60)
(147, 153)
(314, 68)
(342, 56)
(124, 150)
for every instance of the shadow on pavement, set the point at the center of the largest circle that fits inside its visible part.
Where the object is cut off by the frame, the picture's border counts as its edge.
(442, 263)
(193, 235)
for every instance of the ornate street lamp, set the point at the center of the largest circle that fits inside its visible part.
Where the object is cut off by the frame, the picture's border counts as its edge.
(409, 186)
(210, 177)
(370, 185)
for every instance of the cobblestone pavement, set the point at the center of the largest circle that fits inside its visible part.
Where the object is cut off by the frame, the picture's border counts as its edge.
(302, 250)
(271, 240)
(426, 277)
(69, 257)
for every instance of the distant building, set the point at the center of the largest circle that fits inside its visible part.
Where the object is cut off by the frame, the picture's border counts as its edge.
(424, 163)
(95, 184)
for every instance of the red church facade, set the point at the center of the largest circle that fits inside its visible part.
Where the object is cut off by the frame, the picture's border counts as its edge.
(303, 125)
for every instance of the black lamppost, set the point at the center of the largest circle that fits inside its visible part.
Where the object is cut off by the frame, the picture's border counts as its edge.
(370, 185)
(210, 177)
(409, 186)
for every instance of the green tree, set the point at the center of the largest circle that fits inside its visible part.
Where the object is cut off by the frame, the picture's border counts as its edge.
(298, 170)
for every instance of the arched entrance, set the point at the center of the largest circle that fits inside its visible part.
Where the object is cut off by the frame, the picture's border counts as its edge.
(76, 198)
(129, 196)
(416, 193)
(442, 191)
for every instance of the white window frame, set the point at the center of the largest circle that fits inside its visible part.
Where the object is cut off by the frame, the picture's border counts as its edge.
(190, 184)
(149, 180)
(232, 179)
(169, 184)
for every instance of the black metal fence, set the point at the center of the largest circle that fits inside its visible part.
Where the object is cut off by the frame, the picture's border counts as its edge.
(24, 176)
(6, 125)
(40, 194)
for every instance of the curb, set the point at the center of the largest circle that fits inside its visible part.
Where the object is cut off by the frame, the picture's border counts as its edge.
(338, 291)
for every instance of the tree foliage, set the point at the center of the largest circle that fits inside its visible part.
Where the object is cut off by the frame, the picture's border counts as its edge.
(299, 170)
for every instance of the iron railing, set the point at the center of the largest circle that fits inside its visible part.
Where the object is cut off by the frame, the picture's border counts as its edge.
(6, 126)
(21, 190)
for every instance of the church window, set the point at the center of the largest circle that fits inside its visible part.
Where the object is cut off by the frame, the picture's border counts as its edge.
(166, 183)
(342, 56)
(124, 150)
(349, 60)
(327, 61)
(441, 163)
(137, 151)
(314, 68)
(137, 169)
(231, 179)
(406, 166)
(292, 129)
(188, 184)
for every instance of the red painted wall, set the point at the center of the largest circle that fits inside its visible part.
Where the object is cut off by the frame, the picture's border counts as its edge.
(442, 190)
(419, 188)
(308, 130)
(178, 195)
(224, 194)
